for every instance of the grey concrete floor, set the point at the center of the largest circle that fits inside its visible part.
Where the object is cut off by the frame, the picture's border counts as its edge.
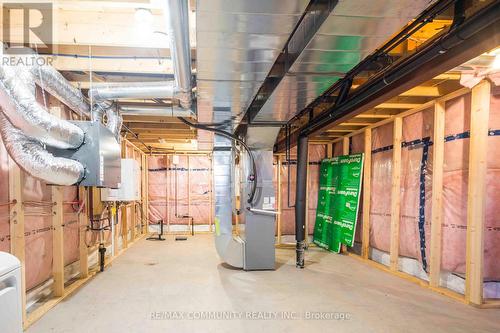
(167, 286)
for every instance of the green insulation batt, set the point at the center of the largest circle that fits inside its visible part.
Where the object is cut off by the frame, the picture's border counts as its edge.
(338, 201)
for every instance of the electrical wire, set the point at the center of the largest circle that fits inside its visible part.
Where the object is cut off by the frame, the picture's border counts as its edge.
(253, 176)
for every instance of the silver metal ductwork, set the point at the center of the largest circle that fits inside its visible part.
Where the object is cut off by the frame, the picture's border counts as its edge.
(180, 49)
(32, 157)
(156, 110)
(132, 90)
(180, 89)
(19, 105)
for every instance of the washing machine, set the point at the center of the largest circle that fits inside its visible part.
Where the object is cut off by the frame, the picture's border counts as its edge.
(11, 320)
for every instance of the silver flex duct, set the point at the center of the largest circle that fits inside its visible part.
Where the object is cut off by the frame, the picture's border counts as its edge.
(17, 98)
(31, 156)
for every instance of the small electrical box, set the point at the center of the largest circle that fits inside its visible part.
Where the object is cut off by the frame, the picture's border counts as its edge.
(129, 188)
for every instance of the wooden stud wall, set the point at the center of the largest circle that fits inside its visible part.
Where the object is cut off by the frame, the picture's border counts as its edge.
(480, 105)
(60, 291)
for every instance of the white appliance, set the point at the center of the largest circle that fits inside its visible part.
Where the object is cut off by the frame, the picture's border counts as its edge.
(129, 188)
(11, 320)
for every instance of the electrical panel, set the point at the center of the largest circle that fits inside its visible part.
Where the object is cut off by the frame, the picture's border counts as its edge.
(130, 187)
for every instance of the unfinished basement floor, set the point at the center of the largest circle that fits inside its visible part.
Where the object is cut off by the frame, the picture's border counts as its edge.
(160, 278)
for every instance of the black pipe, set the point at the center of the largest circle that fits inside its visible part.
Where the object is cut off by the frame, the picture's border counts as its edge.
(102, 256)
(300, 198)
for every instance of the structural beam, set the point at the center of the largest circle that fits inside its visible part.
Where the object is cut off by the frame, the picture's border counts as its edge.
(437, 193)
(476, 194)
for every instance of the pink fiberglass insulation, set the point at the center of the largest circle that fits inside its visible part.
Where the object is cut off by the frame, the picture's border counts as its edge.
(37, 201)
(380, 199)
(200, 173)
(416, 194)
(316, 154)
(163, 176)
(177, 182)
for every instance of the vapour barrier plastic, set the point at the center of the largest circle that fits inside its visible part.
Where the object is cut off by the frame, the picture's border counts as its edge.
(416, 187)
(316, 154)
(163, 176)
(380, 199)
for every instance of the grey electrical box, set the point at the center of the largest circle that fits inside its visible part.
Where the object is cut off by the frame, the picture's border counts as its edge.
(100, 155)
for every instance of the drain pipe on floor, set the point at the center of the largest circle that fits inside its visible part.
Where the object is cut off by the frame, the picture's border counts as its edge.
(300, 201)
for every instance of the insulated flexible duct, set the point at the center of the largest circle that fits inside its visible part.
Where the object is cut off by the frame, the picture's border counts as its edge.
(32, 157)
(48, 78)
(21, 108)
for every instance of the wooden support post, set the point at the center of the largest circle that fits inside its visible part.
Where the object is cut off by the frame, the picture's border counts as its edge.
(345, 151)
(211, 196)
(190, 221)
(437, 193)
(168, 177)
(124, 223)
(279, 208)
(329, 150)
(83, 221)
(133, 221)
(144, 194)
(396, 192)
(17, 241)
(307, 198)
(367, 174)
(345, 145)
(476, 195)
(58, 240)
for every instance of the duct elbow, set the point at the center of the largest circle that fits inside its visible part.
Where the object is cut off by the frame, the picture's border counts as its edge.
(21, 108)
(31, 156)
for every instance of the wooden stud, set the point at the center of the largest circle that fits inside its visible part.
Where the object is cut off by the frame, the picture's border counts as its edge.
(437, 193)
(367, 173)
(168, 183)
(124, 221)
(144, 194)
(190, 221)
(476, 194)
(116, 248)
(58, 240)
(133, 221)
(396, 193)
(82, 225)
(211, 196)
(345, 151)
(307, 199)
(345, 146)
(17, 240)
(279, 208)
(329, 150)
